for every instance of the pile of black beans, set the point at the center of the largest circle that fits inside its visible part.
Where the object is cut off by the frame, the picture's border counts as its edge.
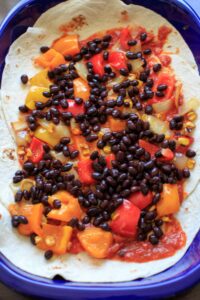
(133, 168)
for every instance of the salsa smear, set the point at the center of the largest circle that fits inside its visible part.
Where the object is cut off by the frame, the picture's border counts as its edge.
(103, 149)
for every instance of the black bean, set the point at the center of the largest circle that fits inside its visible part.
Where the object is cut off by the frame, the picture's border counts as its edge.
(190, 153)
(153, 239)
(147, 51)
(157, 231)
(162, 87)
(17, 179)
(132, 42)
(138, 106)
(157, 67)
(101, 144)
(150, 215)
(159, 222)
(160, 94)
(92, 137)
(124, 72)
(67, 167)
(44, 49)
(74, 154)
(18, 196)
(143, 36)
(105, 226)
(156, 198)
(22, 220)
(48, 254)
(15, 221)
(131, 55)
(94, 155)
(186, 173)
(23, 108)
(24, 79)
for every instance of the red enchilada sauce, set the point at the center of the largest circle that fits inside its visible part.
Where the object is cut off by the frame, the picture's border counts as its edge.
(136, 251)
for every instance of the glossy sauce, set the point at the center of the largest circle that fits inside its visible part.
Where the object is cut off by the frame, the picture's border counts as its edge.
(173, 240)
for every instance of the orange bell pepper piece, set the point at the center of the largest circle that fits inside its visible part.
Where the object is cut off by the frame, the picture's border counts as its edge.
(33, 213)
(95, 241)
(67, 45)
(55, 238)
(116, 125)
(81, 89)
(50, 59)
(169, 202)
(70, 207)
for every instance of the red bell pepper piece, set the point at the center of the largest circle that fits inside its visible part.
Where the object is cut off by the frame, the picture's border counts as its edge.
(109, 159)
(140, 200)
(98, 64)
(152, 149)
(85, 171)
(117, 60)
(125, 219)
(73, 108)
(167, 154)
(124, 37)
(163, 78)
(37, 150)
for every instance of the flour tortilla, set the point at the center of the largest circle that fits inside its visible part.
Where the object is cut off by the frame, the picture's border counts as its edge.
(99, 15)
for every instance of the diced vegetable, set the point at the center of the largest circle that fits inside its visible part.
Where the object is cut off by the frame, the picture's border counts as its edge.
(74, 108)
(41, 79)
(85, 171)
(95, 241)
(137, 65)
(33, 213)
(163, 106)
(124, 37)
(180, 160)
(55, 238)
(97, 62)
(26, 184)
(37, 150)
(82, 146)
(167, 154)
(157, 126)
(35, 95)
(67, 45)
(19, 125)
(70, 207)
(116, 124)
(109, 159)
(151, 148)
(140, 200)
(169, 202)
(125, 219)
(50, 59)
(191, 104)
(81, 89)
(82, 70)
(52, 133)
(22, 138)
(163, 78)
(117, 60)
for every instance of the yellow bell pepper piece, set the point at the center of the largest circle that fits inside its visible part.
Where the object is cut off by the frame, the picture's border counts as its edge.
(169, 202)
(41, 79)
(95, 241)
(35, 95)
(81, 89)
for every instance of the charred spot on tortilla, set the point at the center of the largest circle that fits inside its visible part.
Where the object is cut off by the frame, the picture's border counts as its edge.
(124, 15)
(76, 23)
(9, 153)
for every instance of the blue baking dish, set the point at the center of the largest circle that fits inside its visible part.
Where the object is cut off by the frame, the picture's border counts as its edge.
(182, 275)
